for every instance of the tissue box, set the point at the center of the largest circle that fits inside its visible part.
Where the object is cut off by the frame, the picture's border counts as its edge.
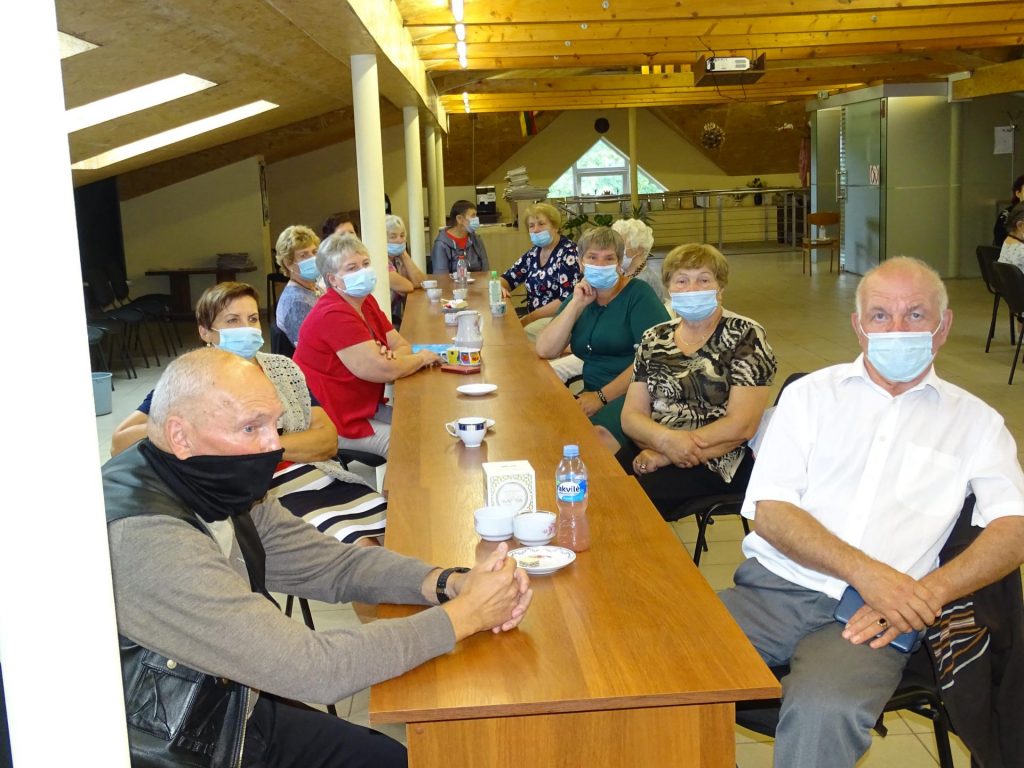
(510, 484)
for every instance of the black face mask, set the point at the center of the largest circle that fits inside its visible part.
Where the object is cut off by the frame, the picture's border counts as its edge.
(215, 487)
(222, 487)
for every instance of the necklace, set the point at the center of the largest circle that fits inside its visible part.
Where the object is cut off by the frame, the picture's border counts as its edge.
(701, 338)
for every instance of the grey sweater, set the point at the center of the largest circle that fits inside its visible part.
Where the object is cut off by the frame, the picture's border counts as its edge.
(177, 594)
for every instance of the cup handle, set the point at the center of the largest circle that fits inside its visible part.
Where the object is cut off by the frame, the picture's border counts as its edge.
(450, 429)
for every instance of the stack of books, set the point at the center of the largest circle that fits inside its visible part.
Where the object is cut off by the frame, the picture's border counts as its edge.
(519, 188)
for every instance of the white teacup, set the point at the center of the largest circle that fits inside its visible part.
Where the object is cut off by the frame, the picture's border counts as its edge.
(534, 529)
(434, 294)
(459, 293)
(428, 284)
(469, 429)
(493, 523)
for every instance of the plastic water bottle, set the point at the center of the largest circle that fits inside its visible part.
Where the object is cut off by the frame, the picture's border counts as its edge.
(571, 497)
(461, 271)
(494, 289)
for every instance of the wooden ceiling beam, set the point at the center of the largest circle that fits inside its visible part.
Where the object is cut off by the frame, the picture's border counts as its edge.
(1006, 31)
(431, 13)
(939, 21)
(511, 57)
(998, 78)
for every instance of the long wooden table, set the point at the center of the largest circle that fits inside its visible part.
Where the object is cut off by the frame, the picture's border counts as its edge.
(626, 658)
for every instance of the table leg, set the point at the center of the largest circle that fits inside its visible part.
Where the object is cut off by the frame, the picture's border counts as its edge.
(181, 295)
(701, 736)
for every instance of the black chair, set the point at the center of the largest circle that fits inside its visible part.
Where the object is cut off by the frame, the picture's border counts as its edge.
(987, 256)
(705, 508)
(156, 308)
(1009, 281)
(280, 344)
(100, 296)
(918, 692)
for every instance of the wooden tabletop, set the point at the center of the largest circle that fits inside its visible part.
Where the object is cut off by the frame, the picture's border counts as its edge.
(631, 624)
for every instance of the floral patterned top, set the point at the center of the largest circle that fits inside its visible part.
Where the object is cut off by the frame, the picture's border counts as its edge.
(690, 391)
(552, 282)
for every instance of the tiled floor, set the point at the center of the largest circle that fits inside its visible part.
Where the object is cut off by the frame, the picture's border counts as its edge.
(808, 324)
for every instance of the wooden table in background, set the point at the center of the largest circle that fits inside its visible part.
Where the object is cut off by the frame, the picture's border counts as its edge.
(180, 284)
(626, 658)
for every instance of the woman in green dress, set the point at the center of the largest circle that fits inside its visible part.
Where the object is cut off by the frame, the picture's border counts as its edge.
(602, 323)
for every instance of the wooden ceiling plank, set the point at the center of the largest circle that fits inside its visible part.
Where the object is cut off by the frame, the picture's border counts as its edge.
(640, 58)
(752, 42)
(524, 12)
(940, 21)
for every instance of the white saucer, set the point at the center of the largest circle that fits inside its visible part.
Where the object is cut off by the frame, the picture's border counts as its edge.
(474, 390)
(488, 422)
(540, 561)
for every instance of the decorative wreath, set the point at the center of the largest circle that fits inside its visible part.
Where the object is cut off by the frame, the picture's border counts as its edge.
(712, 136)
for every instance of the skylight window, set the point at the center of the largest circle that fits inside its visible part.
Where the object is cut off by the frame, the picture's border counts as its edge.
(134, 100)
(602, 170)
(71, 45)
(173, 136)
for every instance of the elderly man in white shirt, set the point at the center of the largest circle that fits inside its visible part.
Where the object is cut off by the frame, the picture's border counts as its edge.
(859, 480)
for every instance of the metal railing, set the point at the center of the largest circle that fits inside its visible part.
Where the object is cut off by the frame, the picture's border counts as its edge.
(771, 217)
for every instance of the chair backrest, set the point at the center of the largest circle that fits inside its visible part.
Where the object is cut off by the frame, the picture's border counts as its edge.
(987, 256)
(1009, 282)
(99, 289)
(823, 218)
(280, 344)
(275, 284)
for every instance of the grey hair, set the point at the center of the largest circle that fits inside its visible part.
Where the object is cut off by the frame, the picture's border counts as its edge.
(635, 234)
(904, 262)
(186, 382)
(393, 223)
(334, 249)
(601, 237)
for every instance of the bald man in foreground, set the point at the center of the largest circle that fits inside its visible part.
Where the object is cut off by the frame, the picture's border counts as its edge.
(862, 473)
(195, 548)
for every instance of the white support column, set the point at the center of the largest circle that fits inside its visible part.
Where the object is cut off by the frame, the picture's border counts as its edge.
(414, 185)
(634, 195)
(439, 149)
(58, 635)
(370, 169)
(436, 216)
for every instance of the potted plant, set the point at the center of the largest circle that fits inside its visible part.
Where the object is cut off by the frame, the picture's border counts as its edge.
(756, 183)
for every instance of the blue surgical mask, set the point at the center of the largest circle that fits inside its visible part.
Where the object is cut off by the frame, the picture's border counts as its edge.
(308, 270)
(901, 356)
(244, 342)
(694, 306)
(396, 249)
(473, 224)
(541, 238)
(601, 278)
(361, 283)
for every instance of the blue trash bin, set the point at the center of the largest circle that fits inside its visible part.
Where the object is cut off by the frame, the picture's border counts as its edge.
(102, 393)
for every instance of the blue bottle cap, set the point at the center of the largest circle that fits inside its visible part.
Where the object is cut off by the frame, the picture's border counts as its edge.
(571, 451)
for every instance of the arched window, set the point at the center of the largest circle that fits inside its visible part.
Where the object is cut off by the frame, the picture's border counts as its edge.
(602, 170)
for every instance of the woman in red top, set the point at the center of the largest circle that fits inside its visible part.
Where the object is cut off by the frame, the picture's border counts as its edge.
(348, 348)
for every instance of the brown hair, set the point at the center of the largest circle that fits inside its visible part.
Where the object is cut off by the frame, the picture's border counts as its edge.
(695, 256)
(216, 298)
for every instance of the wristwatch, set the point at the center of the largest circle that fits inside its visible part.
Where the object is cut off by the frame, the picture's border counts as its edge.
(601, 397)
(442, 583)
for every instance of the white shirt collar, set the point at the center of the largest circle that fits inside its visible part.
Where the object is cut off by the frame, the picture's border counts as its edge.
(857, 370)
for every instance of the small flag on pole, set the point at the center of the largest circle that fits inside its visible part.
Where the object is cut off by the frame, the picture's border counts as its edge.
(528, 123)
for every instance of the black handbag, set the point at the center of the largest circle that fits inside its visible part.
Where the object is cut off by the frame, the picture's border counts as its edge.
(178, 716)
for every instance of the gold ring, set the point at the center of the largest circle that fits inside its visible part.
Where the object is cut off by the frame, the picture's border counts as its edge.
(882, 622)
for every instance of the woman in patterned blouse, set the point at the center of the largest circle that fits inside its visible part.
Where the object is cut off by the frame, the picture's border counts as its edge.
(699, 388)
(550, 268)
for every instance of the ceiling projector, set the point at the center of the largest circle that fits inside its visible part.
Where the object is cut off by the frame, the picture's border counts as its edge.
(727, 64)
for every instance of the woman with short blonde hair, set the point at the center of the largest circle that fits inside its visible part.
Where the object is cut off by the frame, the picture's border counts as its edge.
(296, 256)
(699, 388)
(550, 269)
(404, 276)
